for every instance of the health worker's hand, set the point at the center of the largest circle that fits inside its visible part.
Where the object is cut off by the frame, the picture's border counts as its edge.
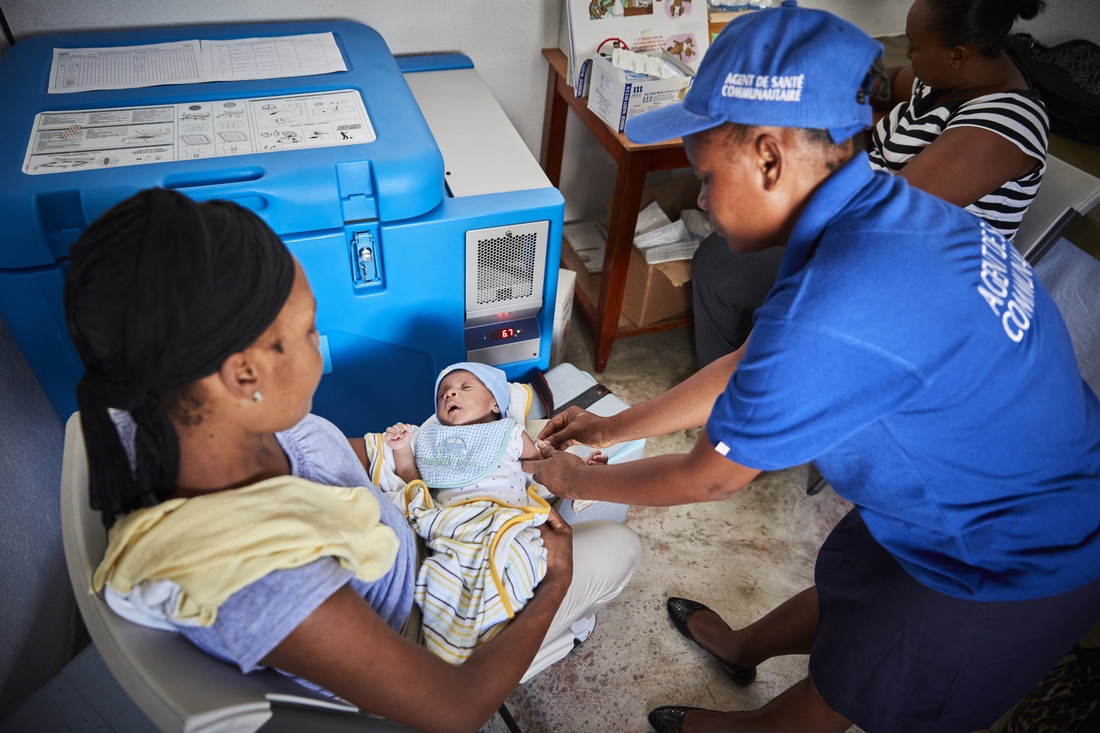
(576, 426)
(557, 471)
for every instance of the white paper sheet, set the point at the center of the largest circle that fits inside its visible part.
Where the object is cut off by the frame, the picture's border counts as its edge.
(67, 140)
(127, 67)
(271, 58)
(193, 62)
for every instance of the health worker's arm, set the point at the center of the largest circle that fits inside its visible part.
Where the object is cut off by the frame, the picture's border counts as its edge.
(700, 475)
(687, 405)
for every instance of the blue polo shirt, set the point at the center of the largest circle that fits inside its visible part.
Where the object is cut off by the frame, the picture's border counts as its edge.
(911, 353)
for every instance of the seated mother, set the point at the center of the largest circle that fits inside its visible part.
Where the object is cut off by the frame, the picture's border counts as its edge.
(234, 513)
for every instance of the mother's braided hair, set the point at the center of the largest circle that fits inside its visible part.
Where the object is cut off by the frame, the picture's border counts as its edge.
(160, 290)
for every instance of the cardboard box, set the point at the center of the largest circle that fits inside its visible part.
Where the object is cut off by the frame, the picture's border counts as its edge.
(617, 95)
(717, 19)
(673, 196)
(656, 292)
(563, 314)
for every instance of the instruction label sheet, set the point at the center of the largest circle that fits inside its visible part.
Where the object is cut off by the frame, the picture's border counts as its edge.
(193, 62)
(109, 138)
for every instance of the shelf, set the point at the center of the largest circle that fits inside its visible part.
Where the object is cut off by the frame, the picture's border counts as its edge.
(600, 297)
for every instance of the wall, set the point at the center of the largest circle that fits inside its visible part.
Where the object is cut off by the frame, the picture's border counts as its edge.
(1060, 21)
(1064, 20)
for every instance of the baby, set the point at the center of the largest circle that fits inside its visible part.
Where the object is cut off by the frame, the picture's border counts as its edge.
(468, 448)
(476, 509)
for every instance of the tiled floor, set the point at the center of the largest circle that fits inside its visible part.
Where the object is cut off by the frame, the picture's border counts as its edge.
(82, 698)
(742, 557)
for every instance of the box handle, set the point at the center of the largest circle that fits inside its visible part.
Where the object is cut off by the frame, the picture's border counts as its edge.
(213, 178)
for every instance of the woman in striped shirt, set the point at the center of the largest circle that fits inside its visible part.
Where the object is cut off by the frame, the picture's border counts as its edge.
(965, 127)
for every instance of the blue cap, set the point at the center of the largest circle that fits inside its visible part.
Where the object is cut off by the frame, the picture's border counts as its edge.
(785, 67)
(495, 380)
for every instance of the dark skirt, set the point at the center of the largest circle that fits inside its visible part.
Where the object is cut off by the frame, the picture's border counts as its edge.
(891, 654)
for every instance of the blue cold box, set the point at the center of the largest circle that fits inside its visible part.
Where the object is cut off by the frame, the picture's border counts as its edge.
(434, 242)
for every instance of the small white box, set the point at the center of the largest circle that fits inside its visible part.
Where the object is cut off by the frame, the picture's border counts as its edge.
(567, 383)
(588, 240)
(563, 314)
(617, 95)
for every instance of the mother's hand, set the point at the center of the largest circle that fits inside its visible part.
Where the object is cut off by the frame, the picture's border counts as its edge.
(557, 538)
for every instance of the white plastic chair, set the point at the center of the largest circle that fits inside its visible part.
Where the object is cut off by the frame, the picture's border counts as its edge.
(1065, 190)
(176, 685)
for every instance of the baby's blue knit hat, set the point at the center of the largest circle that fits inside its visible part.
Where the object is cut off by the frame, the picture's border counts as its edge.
(495, 380)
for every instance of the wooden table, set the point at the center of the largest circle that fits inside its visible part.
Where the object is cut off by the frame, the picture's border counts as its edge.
(601, 297)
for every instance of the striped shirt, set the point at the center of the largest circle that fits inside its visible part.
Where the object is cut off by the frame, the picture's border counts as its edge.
(1017, 116)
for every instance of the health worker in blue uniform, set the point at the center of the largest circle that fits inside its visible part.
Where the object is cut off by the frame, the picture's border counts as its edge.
(912, 355)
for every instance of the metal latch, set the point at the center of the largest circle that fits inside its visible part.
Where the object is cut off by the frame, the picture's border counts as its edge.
(364, 258)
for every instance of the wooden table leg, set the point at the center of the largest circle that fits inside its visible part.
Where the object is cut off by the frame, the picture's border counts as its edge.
(623, 218)
(553, 129)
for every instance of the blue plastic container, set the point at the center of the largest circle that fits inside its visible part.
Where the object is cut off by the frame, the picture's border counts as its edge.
(379, 233)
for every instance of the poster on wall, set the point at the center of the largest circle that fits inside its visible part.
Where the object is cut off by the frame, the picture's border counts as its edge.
(600, 26)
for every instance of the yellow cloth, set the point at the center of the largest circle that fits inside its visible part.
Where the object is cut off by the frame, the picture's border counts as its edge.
(215, 544)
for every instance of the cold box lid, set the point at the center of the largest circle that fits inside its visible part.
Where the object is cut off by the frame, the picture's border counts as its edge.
(296, 189)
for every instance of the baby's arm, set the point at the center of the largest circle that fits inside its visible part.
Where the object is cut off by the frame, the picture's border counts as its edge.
(399, 439)
(530, 451)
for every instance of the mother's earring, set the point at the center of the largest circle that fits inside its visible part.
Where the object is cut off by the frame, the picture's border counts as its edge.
(257, 397)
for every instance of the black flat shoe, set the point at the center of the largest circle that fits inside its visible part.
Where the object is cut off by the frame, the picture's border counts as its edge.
(670, 718)
(682, 609)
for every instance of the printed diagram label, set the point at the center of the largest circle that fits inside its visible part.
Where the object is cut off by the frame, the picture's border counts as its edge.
(110, 138)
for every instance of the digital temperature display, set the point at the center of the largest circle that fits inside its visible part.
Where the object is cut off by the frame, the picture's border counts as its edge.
(502, 334)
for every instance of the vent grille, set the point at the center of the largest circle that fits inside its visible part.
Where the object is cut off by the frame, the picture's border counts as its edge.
(506, 268)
